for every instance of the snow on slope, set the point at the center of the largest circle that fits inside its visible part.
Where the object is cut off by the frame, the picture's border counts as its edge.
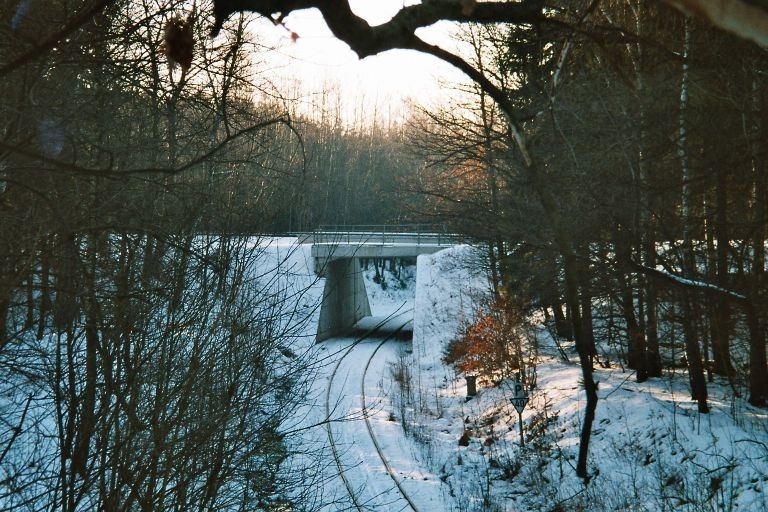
(449, 287)
(650, 449)
(396, 295)
(285, 269)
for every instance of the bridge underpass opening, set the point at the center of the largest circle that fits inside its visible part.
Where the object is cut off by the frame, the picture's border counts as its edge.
(345, 308)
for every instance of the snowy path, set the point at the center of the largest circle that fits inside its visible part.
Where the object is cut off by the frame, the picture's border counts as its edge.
(363, 373)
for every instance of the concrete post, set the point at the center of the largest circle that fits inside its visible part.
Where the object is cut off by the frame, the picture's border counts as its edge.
(345, 300)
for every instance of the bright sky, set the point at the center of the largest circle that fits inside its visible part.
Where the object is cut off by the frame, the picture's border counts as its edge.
(381, 84)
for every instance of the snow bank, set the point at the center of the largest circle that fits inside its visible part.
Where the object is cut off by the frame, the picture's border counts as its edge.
(397, 293)
(449, 286)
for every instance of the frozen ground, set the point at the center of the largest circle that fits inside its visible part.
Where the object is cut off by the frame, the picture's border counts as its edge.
(344, 372)
(650, 449)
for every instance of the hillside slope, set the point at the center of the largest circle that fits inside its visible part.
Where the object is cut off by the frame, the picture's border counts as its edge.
(650, 449)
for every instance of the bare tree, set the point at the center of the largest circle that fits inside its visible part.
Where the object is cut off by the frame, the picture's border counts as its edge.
(143, 344)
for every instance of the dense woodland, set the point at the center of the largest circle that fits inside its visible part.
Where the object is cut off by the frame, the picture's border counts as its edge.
(643, 227)
(128, 162)
(141, 349)
(652, 152)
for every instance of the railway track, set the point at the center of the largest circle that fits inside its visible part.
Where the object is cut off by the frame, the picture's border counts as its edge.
(384, 460)
(334, 448)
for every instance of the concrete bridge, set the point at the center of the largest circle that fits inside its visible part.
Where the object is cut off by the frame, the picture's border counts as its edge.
(337, 252)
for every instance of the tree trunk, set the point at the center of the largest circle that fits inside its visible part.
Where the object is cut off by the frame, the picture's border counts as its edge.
(562, 327)
(653, 355)
(758, 366)
(564, 245)
(722, 318)
(756, 312)
(45, 293)
(29, 322)
(636, 358)
(646, 317)
(693, 355)
(586, 310)
(711, 259)
(5, 304)
(692, 349)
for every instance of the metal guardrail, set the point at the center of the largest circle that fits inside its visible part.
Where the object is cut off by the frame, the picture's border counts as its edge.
(384, 228)
(417, 234)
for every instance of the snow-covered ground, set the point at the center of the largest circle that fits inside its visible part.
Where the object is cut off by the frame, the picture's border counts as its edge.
(286, 269)
(358, 453)
(346, 370)
(397, 293)
(650, 449)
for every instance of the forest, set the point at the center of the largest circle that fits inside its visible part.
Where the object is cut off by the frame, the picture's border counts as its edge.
(608, 158)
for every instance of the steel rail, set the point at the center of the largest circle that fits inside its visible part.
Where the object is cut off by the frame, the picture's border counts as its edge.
(376, 444)
(334, 449)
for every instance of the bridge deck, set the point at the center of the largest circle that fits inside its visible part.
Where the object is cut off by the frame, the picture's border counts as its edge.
(337, 254)
(332, 245)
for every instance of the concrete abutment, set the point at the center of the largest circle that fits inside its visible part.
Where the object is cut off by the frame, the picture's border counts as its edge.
(345, 300)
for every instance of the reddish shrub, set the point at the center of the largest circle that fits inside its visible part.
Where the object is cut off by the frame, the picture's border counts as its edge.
(493, 346)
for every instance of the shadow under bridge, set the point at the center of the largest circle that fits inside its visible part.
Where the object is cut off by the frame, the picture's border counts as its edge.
(337, 251)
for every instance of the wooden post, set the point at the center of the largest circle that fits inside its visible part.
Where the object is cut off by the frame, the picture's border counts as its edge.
(471, 385)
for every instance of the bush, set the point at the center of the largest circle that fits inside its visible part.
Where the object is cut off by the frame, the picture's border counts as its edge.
(496, 346)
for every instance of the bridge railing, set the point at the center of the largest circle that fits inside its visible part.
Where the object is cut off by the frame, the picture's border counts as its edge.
(384, 234)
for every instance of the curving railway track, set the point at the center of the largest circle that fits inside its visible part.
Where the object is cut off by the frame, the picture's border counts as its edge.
(354, 496)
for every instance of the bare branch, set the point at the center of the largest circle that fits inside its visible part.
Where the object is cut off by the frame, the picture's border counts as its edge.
(111, 173)
(685, 282)
(47, 45)
(366, 40)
